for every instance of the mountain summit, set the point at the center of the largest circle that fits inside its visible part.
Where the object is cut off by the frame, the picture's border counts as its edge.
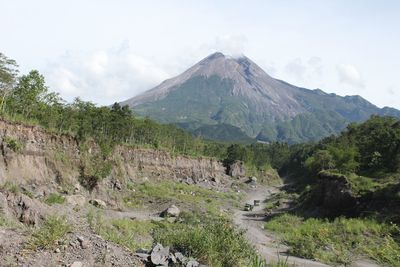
(222, 97)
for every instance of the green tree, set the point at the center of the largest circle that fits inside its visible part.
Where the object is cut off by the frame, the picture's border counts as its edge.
(8, 78)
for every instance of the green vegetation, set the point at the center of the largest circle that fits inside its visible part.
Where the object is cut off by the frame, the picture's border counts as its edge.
(11, 187)
(125, 232)
(213, 241)
(54, 198)
(340, 241)
(187, 196)
(13, 144)
(46, 237)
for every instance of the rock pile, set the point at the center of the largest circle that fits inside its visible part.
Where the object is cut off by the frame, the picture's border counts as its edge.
(163, 256)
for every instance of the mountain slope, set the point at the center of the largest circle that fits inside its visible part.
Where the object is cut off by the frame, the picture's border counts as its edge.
(235, 91)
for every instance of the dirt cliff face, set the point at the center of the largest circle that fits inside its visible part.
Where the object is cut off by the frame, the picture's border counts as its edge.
(37, 158)
(31, 155)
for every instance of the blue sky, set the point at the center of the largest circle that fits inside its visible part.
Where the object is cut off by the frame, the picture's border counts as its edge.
(110, 50)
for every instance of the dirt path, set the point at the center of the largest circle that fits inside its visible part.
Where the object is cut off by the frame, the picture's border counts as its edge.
(267, 245)
(266, 242)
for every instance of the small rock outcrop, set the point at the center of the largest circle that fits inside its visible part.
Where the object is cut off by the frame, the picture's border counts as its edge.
(172, 211)
(98, 203)
(163, 256)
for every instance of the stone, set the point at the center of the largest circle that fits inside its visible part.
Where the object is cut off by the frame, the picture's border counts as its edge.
(142, 250)
(98, 203)
(77, 188)
(189, 181)
(143, 256)
(180, 258)
(76, 264)
(192, 263)
(160, 255)
(117, 185)
(84, 244)
(172, 258)
(172, 211)
(253, 179)
(76, 200)
(216, 180)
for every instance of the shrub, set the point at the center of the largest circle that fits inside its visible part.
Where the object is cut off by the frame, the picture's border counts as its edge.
(214, 242)
(339, 241)
(46, 237)
(13, 144)
(54, 198)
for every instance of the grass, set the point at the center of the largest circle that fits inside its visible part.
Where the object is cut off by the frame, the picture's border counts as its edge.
(213, 241)
(53, 230)
(340, 241)
(13, 144)
(187, 196)
(54, 198)
(11, 187)
(125, 232)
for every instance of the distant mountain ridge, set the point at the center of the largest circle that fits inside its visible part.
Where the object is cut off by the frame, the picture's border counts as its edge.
(221, 91)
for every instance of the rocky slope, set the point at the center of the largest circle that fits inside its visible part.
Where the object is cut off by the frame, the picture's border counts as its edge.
(43, 162)
(36, 165)
(221, 90)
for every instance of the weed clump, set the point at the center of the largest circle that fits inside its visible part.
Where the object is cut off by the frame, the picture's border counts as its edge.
(46, 237)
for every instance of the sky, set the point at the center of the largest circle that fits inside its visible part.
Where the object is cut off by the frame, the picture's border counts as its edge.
(110, 50)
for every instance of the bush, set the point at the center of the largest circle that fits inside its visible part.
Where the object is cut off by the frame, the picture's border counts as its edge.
(46, 237)
(339, 241)
(214, 242)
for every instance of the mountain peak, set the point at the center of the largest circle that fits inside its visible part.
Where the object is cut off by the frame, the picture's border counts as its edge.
(215, 55)
(223, 90)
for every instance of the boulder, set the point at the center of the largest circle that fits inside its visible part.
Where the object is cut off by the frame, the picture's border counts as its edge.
(98, 203)
(192, 263)
(160, 255)
(172, 211)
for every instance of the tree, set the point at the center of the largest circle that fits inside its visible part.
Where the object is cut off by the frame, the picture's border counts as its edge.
(8, 77)
(31, 98)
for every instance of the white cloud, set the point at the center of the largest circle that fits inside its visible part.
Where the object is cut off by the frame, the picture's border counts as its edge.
(296, 69)
(103, 76)
(231, 45)
(349, 74)
(304, 72)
